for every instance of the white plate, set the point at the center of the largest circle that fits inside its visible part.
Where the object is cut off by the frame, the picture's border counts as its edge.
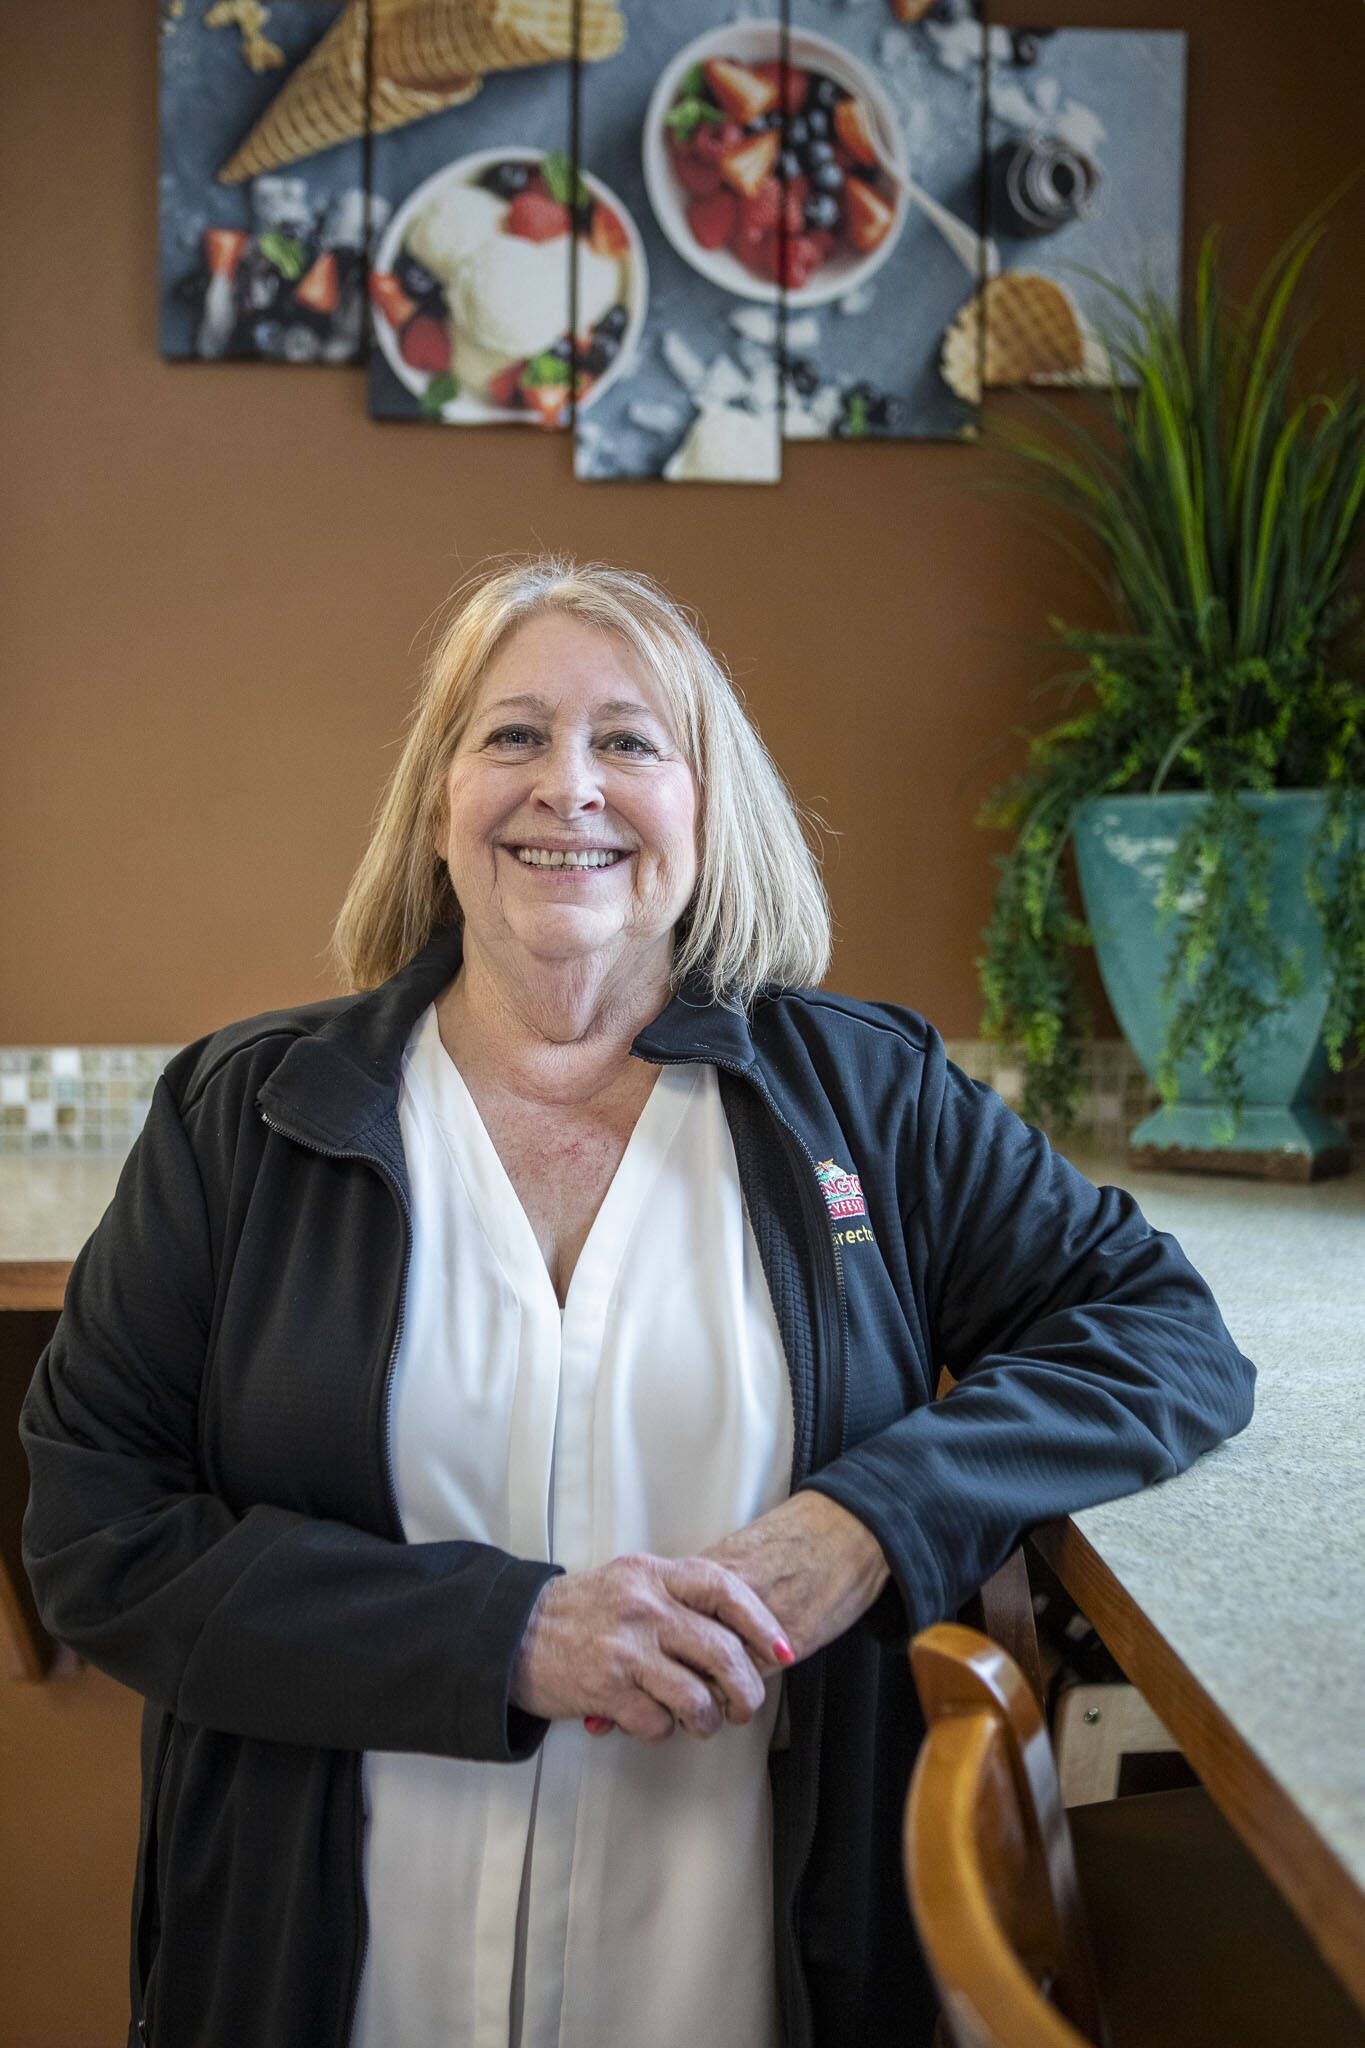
(466, 170)
(759, 42)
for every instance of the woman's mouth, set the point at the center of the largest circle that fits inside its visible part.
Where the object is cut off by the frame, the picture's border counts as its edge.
(575, 861)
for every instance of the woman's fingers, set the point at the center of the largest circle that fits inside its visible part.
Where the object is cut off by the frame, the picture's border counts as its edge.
(711, 1588)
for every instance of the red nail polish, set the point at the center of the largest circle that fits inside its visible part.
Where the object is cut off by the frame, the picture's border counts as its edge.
(783, 1651)
(597, 1724)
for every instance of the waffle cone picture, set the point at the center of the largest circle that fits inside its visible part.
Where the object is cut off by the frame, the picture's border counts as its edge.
(425, 42)
(422, 57)
(1031, 331)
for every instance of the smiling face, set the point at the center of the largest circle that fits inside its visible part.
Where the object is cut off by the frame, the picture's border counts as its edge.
(571, 812)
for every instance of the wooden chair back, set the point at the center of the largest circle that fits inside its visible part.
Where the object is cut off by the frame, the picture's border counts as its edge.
(988, 1860)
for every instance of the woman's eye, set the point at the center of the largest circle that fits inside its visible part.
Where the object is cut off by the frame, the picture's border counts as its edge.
(630, 743)
(511, 736)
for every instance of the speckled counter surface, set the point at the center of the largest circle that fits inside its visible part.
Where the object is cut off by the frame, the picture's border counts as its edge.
(1252, 1564)
(49, 1205)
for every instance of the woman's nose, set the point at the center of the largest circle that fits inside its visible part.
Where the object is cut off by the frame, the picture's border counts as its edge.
(570, 781)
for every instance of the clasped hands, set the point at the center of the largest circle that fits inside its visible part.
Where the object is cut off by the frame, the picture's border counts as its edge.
(649, 1644)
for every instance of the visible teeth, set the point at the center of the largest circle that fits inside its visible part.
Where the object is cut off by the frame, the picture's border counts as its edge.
(536, 857)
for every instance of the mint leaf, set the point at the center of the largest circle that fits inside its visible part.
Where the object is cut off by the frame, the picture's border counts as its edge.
(558, 173)
(687, 116)
(857, 417)
(439, 392)
(692, 84)
(288, 256)
(546, 369)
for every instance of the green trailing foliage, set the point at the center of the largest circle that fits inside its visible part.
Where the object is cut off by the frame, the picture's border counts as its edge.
(1226, 510)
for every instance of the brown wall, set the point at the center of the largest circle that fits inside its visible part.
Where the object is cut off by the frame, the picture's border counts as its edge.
(212, 590)
(215, 577)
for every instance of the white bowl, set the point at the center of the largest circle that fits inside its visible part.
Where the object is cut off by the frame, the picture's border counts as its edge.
(466, 170)
(760, 42)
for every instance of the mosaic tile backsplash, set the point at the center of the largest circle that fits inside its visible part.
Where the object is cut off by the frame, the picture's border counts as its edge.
(93, 1098)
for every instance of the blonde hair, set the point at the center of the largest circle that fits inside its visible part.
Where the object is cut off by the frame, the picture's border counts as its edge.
(758, 915)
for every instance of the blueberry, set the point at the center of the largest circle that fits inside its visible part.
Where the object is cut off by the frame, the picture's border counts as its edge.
(605, 347)
(885, 412)
(803, 376)
(268, 337)
(615, 321)
(416, 280)
(758, 127)
(1025, 45)
(798, 132)
(189, 290)
(561, 350)
(943, 10)
(817, 120)
(821, 211)
(867, 392)
(827, 178)
(505, 180)
(788, 165)
(774, 118)
(826, 94)
(594, 360)
(817, 152)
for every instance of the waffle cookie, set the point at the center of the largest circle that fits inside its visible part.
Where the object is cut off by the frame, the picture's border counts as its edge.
(1020, 328)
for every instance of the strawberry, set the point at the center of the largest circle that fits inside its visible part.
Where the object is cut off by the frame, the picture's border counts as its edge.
(712, 220)
(760, 253)
(761, 209)
(392, 301)
(853, 126)
(425, 344)
(537, 217)
(549, 402)
(745, 168)
(867, 217)
(608, 235)
(505, 387)
(699, 176)
(791, 82)
(715, 139)
(801, 258)
(223, 249)
(320, 288)
(794, 205)
(739, 90)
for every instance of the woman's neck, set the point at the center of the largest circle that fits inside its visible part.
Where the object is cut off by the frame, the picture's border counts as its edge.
(547, 1031)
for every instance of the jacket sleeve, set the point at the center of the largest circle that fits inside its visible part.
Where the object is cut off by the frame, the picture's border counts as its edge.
(1090, 1355)
(267, 1623)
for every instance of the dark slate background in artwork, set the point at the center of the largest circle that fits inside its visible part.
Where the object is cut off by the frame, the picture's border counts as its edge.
(209, 99)
(691, 356)
(1119, 94)
(884, 341)
(525, 108)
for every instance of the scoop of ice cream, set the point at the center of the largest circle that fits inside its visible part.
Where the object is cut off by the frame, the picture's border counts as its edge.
(513, 294)
(599, 286)
(456, 223)
(727, 444)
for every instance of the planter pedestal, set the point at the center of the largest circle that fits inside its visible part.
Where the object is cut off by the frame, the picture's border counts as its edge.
(1122, 844)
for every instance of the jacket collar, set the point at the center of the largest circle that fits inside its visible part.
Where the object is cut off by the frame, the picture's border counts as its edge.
(339, 1081)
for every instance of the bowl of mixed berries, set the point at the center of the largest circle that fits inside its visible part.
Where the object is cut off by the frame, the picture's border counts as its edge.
(471, 288)
(775, 177)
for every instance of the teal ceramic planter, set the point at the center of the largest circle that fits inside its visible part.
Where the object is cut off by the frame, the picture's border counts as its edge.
(1122, 844)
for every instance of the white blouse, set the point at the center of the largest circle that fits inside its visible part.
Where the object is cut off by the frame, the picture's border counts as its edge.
(605, 1893)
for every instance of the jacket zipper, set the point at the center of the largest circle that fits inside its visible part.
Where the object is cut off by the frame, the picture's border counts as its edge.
(808, 1179)
(149, 1874)
(391, 1502)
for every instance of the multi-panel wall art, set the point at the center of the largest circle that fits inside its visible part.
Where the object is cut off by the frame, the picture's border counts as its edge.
(681, 234)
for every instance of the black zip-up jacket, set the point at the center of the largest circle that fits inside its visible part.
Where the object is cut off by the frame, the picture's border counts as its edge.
(212, 1517)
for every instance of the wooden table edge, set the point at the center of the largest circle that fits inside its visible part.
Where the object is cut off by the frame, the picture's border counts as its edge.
(33, 1283)
(1322, 1891)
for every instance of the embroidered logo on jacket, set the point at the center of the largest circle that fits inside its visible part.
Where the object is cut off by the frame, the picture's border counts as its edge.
(843, 1193)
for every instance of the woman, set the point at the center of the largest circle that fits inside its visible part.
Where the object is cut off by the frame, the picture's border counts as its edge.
(531, 1354)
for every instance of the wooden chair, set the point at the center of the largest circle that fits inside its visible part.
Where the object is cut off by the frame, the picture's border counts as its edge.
(1184, 1943)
